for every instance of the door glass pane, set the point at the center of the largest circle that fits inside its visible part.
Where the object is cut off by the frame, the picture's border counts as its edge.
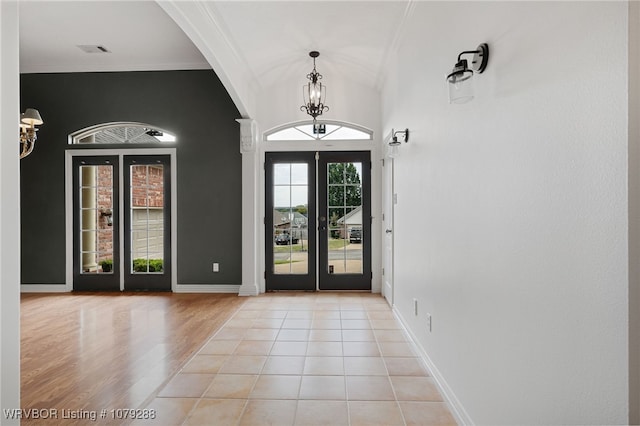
(147, 218)
(290, 231)
(344, 192)
(96, 219)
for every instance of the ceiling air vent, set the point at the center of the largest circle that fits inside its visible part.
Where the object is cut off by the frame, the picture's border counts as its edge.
(92, 48)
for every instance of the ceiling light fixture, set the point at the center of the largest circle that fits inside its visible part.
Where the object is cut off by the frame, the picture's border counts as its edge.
(461, 77)
(314, 92)
(29, 119)
(394, 143)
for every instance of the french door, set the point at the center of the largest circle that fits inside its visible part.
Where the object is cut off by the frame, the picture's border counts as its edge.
(96, 223)
(290, 221)
(344, 220)
(318, 221)
(147, 221)
(141, 217)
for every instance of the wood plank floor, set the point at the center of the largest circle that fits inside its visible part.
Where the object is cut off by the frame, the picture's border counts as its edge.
(110, 350)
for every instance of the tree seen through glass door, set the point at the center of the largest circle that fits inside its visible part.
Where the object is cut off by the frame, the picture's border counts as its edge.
(344, 193)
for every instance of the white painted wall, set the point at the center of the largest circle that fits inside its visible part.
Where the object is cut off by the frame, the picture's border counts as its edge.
(511, 222)
(634, 212)
(9, 212)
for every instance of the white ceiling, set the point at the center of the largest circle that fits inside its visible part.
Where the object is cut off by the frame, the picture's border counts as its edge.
(139, 35)
(274, 38)
(271, 39)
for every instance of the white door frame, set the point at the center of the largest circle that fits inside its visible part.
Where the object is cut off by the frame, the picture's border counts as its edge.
(120, 153)
(388, 230)
(333, 145)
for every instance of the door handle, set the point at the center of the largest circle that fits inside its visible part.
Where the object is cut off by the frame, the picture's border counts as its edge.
(388, 231)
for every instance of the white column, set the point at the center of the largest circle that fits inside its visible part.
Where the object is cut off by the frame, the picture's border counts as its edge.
(250, 215)
(9, 211)
(634, 213)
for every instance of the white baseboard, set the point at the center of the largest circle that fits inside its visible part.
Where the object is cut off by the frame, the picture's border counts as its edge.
(206, 288)
(458, 411)
(44, 288)
(248, 290)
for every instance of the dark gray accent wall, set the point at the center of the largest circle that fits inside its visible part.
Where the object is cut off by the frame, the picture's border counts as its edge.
(192, 104)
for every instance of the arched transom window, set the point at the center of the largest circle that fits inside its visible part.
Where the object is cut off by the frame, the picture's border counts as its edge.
(320, 131)
(121, 133)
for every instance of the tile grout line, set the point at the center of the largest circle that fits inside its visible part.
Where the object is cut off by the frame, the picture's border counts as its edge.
(310, 311)
(388, 375)
(159, 388)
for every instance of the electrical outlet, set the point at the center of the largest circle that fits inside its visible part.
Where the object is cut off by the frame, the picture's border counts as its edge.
(429, 322)
(415, 307)
(216, 267)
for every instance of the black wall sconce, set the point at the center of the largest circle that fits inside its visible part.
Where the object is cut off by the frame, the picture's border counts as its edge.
(460, 80)
(395, 142)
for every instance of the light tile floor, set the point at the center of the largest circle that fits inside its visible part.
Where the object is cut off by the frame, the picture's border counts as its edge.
(304, 359)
